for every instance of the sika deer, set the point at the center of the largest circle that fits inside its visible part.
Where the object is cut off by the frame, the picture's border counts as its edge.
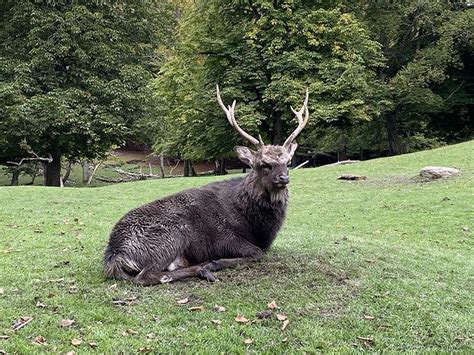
(198, 231)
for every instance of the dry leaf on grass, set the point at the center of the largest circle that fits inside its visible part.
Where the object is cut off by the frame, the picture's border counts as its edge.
(76, 342)
(218, 308)
(39, 340)
(1, 291)
(272, 305)
(367, 317)
(196, 309)
(284, 324)
(241, 319)
(131, 331)
(216, 321)
(281, 317)
(66, 322)
(92, 344)
(145, 350)
(40, 304)
(248, 341)
(367, 339)
(20, 323)
(51, 295)
(183, 301)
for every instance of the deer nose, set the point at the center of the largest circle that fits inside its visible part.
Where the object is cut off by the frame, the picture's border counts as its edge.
(284, 179)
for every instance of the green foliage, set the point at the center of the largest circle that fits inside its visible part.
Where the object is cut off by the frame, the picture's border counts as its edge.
(264, 54)
(404, 64)
(74, 75)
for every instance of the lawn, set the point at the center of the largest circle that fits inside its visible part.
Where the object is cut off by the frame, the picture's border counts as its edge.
(381, 264)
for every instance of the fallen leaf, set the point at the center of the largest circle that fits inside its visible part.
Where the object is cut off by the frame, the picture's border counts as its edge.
(248, 341)
(216, 321)
(183, 301)
(1, 291)
(20, 323)
(281, 317)
(72, 289)
(66, 322)
(284, 324)
(284, 340)
(40, 304)
(131, 331)
(150, 336)
(272, 305)
(264, 314)
(92, 344)
(39, 340)
(218, 308)
(145, 350)
(156, 319)
(241, 319)
(76, 342)
(51, 295)
(367, 317)
(196, 309)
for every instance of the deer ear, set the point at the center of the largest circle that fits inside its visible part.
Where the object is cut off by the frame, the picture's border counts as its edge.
(246, 155)
(291, 149)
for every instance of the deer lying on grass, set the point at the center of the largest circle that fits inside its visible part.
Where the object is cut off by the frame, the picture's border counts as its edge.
(198, 231)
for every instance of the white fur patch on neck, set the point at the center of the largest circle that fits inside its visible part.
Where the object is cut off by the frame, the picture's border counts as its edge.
(279, 196)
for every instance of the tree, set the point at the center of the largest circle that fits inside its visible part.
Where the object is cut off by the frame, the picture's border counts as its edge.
(74, 75)
(422, 42)
(264, 54)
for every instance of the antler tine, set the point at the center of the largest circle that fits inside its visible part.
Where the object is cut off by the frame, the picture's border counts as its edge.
(301, 121)
(230, 113)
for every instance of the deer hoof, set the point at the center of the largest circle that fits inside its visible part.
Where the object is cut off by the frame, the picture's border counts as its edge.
(207, 275)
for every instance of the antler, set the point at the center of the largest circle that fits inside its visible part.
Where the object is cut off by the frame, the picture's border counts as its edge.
(229, 111)
(301, 122)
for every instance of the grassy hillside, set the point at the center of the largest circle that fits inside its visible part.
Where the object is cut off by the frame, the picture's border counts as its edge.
(385, 263)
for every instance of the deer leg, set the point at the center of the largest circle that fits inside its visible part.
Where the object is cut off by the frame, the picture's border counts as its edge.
(151, 276)
(217, 265)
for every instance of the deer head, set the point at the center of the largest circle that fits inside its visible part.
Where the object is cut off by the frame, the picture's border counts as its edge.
(270, 162)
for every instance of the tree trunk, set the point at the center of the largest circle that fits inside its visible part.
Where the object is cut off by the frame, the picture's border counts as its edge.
(15, 176)
(68, 171)
(394, 140)
(187, 168)
(193, 172)
(342, 152)
(220, 167)
(86, 171)
(162, 165)
(52, 171)
(277, 132)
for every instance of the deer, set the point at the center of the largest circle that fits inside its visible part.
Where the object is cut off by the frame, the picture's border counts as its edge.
(199, 231)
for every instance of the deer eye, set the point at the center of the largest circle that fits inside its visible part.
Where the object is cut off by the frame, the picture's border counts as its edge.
(266, 166)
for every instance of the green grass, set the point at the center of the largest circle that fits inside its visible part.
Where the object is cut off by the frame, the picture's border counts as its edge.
(388, 247)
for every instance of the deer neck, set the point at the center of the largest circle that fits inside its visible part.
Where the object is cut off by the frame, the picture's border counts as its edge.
(253, 190)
